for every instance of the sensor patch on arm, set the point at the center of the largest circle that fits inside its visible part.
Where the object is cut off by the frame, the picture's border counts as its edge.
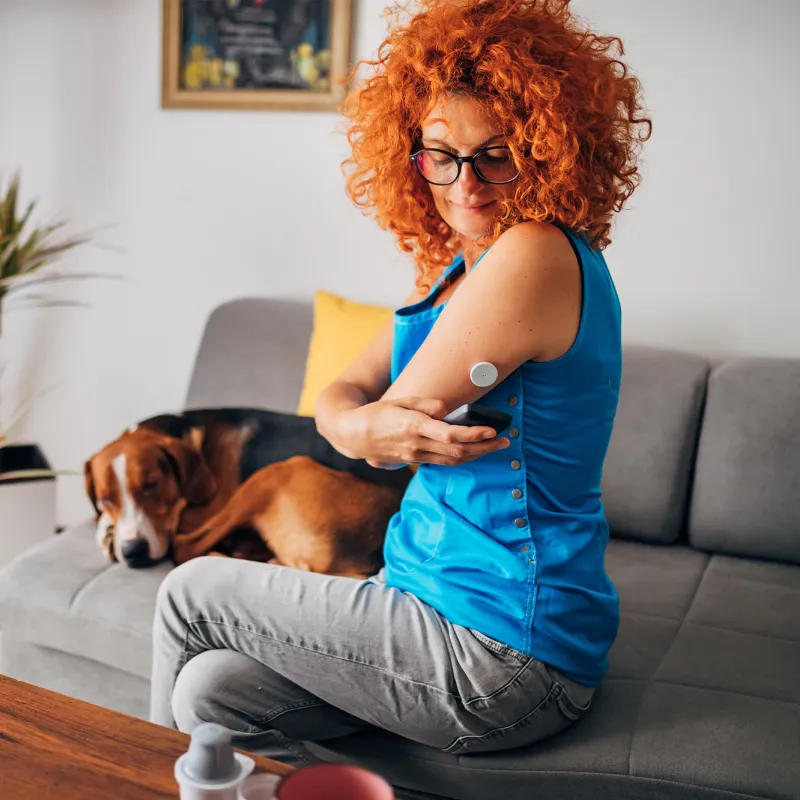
(483, 374)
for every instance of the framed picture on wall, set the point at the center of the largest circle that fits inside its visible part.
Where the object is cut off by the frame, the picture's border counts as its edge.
(255, 54)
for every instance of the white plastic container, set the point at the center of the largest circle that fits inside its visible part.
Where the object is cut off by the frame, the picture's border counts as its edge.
(210, 769)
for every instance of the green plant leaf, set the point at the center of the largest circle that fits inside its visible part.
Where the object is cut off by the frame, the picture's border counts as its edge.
(20, 282)
(26, 251)
(27, 215)
(9, 262)
(21, 254)
(11, 204)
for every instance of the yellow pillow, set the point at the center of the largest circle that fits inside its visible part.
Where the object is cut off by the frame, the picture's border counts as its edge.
(342, 329)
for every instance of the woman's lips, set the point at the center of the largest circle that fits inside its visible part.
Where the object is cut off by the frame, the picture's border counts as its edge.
(476, 209)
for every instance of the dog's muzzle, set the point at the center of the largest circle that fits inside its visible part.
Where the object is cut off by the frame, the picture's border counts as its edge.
(136, 552)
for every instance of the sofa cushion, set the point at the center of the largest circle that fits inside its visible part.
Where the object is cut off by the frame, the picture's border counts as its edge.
(746, 496)
(701, 699)
(647, 469)
(63, 594)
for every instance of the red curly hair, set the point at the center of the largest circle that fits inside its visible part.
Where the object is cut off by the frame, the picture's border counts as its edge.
(570, 109)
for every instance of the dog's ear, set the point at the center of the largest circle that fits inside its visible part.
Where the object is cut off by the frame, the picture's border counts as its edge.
(88, 478)
(195, 479)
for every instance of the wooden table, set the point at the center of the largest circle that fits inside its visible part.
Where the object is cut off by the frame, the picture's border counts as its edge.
(53, 747)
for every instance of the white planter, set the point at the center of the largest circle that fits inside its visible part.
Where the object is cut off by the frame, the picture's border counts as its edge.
(27, 504)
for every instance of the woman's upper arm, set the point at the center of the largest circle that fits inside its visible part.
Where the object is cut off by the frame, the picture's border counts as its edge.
(523, 302)
(371, 371)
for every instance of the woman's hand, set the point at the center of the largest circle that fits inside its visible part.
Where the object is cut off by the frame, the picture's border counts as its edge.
(388, 433)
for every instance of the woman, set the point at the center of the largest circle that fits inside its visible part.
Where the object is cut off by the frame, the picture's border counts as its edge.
(495, 139)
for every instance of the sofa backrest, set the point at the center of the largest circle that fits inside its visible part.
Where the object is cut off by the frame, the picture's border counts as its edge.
(746, 495)
(648, 468)
(252, 353)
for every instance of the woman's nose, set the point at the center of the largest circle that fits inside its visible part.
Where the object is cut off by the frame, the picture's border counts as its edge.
(468, 181)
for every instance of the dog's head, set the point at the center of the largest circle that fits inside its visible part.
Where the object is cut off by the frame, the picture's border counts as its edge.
(139, 484)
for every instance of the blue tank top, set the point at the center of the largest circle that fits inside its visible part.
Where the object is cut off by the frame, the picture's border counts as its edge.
(512, 544)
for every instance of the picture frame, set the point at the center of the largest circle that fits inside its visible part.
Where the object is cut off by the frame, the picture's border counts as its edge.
(255, 54)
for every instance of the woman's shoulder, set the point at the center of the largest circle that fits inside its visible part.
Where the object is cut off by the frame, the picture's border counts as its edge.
(539, 240)
(530, 257)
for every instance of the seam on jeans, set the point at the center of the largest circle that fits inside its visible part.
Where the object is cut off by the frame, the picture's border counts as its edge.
(289, 745)
(569, 707)
(184, 656)
(287, 708)
(405, 678)
(555, 691)
(517, 675)
(182, 661)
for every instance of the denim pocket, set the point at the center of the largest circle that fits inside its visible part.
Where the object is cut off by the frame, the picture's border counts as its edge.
(499, 647)
(569, 705)
(541, 722)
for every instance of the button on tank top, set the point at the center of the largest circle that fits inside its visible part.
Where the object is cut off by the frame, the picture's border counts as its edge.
(512, 544)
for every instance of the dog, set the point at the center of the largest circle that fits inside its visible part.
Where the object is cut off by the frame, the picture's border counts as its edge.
(242, 482)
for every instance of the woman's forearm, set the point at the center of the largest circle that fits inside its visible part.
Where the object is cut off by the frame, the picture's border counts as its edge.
(332, 403)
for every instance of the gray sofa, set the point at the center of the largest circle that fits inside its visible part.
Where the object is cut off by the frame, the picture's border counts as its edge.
(702, 489)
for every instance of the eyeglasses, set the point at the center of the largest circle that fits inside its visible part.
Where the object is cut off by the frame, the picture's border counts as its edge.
(440, 167)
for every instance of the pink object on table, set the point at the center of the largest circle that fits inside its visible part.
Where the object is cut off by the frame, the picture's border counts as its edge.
(334, 782)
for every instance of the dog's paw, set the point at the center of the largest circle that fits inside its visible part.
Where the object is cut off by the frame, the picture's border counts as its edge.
(108, 547)
(105, 536)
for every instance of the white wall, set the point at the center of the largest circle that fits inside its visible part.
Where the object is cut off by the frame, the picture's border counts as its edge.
(209, 202)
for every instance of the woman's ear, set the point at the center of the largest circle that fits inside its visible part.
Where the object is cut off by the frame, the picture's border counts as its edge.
(195, 480)
(88, 478)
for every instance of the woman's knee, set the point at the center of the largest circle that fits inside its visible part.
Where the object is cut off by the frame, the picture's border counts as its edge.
(200, 690)
(178, 584)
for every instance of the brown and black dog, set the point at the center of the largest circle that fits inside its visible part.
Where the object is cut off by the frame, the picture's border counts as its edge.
(243, 482)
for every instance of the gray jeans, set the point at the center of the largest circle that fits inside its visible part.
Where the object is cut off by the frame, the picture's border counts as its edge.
(279, 656)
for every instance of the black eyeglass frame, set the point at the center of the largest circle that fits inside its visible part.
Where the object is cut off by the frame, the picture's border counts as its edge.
(460, 160)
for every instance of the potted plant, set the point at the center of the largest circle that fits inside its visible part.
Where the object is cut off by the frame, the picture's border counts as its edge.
(27, 481)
